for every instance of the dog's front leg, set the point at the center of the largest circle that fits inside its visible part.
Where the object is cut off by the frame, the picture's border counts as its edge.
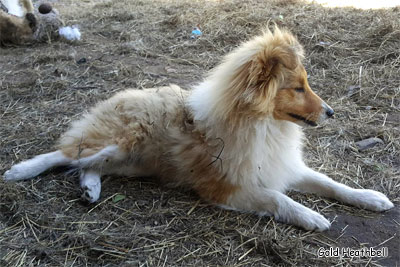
(283, 208)
(320, 184)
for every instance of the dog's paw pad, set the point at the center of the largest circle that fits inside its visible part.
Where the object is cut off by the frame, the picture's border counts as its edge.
(89, 195)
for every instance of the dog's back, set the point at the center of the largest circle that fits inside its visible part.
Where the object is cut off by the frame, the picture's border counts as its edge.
(124, 119)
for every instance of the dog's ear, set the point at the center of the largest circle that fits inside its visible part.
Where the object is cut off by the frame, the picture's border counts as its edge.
(272, 63)
(269, 67)
(256, 70)
(264, 74)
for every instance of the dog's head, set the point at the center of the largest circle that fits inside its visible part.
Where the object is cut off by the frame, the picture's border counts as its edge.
(296, 102)
(270, 80)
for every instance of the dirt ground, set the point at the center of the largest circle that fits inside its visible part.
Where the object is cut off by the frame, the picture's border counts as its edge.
(353, 61)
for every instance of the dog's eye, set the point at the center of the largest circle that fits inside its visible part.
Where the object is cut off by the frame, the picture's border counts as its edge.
(299, 89)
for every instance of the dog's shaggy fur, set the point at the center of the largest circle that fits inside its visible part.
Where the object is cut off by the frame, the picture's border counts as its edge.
(234, 139)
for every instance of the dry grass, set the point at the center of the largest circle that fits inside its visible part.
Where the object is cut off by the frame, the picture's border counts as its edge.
(147, 43)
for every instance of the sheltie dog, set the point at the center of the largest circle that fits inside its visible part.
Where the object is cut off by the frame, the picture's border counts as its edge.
(235, 139)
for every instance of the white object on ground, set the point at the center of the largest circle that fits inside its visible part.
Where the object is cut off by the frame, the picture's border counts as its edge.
(70, 33)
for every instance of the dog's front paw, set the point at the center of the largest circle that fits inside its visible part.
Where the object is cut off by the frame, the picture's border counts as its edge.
(313, 221)
(371, 200)
(305, 218)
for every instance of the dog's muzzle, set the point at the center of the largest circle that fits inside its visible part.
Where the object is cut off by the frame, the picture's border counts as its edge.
(327, 112)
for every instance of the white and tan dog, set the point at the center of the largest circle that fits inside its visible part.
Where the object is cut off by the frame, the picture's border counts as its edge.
(235, 139)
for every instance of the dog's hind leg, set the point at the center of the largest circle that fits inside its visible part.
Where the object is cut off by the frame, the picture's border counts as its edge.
(30, 168)
(320, 184)
(92, 166)
(91, 185)
(110, 153)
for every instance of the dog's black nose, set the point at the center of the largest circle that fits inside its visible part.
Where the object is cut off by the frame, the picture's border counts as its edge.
(329, 112)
